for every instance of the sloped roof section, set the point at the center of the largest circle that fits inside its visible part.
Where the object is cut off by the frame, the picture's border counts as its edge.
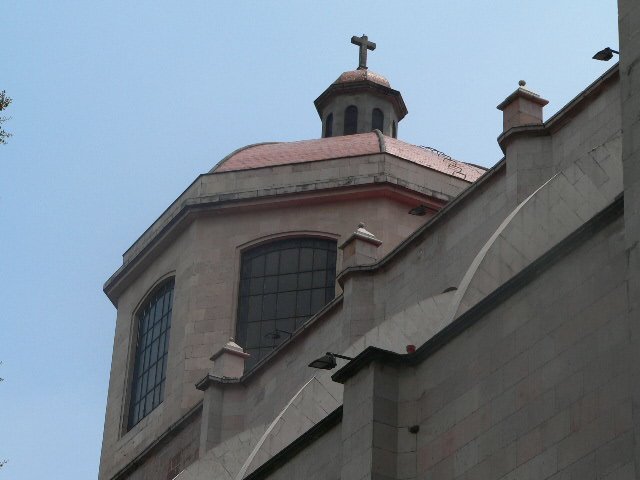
(273, 154)
(433, 159)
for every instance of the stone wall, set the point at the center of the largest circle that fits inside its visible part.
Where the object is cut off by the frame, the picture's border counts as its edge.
(538, 387)
(172, 455)
(319, 461)
(205, 261)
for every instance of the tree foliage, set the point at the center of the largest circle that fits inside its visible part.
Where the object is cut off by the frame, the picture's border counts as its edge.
(5, 101)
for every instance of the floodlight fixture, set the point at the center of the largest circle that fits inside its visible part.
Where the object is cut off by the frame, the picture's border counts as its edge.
(275, 334)
(420, 210)
(328, 361)
(605, 54)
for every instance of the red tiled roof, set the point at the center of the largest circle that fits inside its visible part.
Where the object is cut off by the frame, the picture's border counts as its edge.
(432, 159)
(272, 154)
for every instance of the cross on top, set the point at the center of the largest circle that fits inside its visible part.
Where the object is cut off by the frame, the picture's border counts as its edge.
(364, 44)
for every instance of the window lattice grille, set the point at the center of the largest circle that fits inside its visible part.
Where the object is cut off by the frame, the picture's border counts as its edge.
(282, 284)
(154, 324)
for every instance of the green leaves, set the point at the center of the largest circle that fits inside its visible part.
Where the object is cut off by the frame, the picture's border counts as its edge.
(5, 101)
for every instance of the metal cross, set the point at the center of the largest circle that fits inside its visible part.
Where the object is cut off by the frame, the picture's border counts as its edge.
(364, 44)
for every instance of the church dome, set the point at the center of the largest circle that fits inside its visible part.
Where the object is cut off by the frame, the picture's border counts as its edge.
(362, 75)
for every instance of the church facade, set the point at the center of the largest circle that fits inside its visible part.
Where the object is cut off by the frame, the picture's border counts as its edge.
(357, 307)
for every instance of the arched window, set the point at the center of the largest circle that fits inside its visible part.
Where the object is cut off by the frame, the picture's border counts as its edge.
(351, 120)
(377, 119)
(328, 126)
(394, 130)
(154, 323)
(282, 284)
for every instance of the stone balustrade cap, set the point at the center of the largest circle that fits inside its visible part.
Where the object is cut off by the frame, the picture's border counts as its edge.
(232, 348)
(522, 92)
(362, 234)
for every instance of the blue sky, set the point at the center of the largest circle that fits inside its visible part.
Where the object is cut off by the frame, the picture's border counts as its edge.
(118, 106)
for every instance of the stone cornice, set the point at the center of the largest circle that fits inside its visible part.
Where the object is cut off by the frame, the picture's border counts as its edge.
(185, 210)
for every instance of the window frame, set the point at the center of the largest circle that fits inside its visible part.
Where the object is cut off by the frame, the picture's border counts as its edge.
(278, 243)
(131, 378)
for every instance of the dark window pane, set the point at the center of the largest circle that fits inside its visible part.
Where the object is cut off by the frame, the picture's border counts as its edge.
(328, 126)
(156, 330)
(271, 267)
(286, 327)
(253, 335)
(286, 304)
(145, 362)
(271, 284)
(306, 259)
(169, 295)
(148, 403)
(255, 286)
(288, 261)
(304, 303)
(245, 271)
(243, 306)
(154, 350)
(320, 259)
(377, 119)
(350, 120)
(143, 383)
(257, 267)
(330, 293)
(255, 309)
(331, 260)
(287, 282)
(317, 299)
(319, 278)
(266, 332)
(268, 307)
(265, 351)
(304, 280)
(152, 376)
(154, 323)
(296, 280)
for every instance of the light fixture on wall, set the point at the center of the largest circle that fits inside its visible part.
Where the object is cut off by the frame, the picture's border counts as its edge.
(327, 361)
(420, 210)
(275, 334)
(605, 54)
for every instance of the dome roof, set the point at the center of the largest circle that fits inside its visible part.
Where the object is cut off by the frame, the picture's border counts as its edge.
(361, 75)
(273, 154)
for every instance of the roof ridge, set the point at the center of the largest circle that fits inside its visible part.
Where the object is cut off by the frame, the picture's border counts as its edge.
(381, 142)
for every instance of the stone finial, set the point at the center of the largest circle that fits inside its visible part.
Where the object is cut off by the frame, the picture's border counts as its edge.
(228, 362)
(360, 248)
(522, 107)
